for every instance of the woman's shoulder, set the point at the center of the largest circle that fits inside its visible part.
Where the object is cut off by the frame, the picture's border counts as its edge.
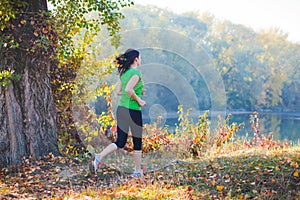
(135, 71)
(130, 72)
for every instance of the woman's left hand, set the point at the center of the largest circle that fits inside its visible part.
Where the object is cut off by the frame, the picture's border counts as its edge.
(142, 103)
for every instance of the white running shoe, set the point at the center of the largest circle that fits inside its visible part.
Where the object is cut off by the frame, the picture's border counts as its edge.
(94, 165)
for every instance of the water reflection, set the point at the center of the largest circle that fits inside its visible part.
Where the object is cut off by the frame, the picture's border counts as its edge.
(284, 126)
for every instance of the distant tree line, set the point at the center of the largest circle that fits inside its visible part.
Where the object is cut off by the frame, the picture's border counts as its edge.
(259, 69)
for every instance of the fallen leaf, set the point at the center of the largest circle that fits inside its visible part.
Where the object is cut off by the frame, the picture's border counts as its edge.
(131, 189)
(294, 165)
(273, 180)
(220, 187)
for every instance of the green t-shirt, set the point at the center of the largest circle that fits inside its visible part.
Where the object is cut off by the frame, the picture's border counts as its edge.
(126, 101)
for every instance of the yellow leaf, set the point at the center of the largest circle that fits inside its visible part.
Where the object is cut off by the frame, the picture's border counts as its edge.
(220, 187)
(296, 173)
(277, 168)
(259, 164)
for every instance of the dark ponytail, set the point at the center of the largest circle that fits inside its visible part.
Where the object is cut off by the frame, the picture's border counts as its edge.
(124, 61)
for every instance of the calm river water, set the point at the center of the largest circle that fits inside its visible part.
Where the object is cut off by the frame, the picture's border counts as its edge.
(284, 126)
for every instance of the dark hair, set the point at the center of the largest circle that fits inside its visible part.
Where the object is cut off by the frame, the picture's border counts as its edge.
(124, 61)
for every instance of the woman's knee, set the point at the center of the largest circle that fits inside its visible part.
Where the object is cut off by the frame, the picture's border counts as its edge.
(121, 138)
(137, 148)
(137, 143)
(120, 144)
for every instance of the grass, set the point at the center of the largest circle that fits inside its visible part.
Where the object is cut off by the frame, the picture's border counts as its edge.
(253, 173)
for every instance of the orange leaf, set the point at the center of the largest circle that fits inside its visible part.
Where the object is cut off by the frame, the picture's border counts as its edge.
(294, 165)
(273, 180)
(131, 189)
(296, 174)
(114, 129)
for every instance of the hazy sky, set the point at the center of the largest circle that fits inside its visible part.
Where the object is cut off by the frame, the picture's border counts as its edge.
(258, 14)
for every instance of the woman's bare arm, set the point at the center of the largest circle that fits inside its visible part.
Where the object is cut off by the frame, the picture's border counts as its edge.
(130, 91)
(119, 88)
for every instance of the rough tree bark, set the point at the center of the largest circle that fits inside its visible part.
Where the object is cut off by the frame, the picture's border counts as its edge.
(27, 110)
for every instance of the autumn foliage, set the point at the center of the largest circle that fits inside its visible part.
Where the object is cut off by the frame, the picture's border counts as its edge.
(231, 169)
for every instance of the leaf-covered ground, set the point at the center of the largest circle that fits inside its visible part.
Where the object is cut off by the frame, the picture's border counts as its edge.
(248, 174)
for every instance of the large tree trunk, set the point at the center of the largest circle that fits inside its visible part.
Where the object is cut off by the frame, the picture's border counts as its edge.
(28, 116)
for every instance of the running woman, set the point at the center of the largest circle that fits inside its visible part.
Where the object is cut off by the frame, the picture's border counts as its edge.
(130, 87)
